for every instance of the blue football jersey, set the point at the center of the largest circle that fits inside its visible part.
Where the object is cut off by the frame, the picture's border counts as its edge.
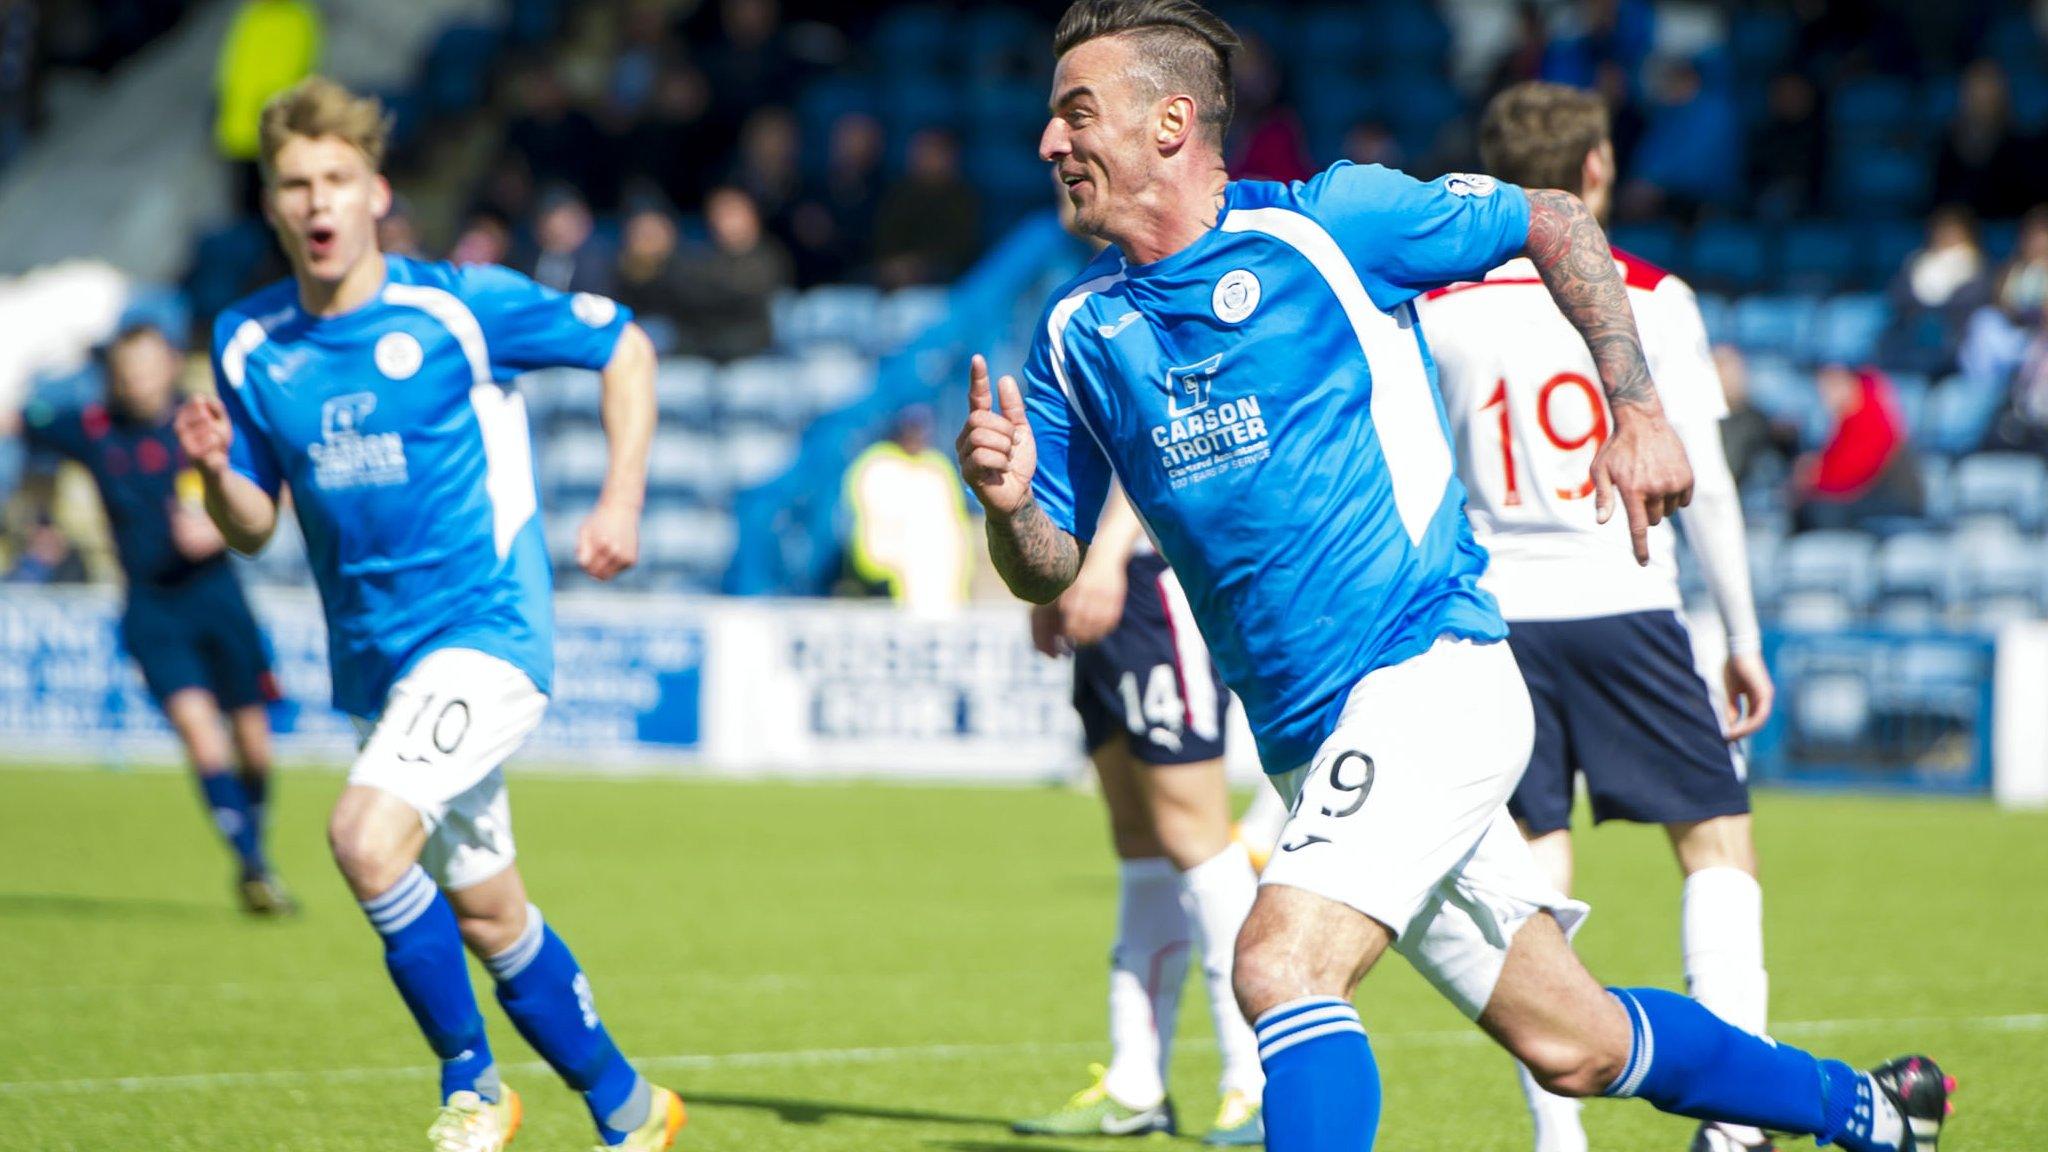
(409, 458)
(1267, 401)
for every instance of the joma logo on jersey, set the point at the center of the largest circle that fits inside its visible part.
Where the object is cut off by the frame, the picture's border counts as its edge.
(347, 457)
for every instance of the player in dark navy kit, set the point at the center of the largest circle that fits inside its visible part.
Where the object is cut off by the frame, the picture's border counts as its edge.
(1152, 708)
(186, 622)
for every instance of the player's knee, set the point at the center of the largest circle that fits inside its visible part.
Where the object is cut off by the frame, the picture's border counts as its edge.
(1268, 972)
(369, 854)
(1571, 1066)
(487, 934)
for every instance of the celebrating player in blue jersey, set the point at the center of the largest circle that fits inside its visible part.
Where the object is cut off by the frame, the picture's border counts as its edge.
(1244, 359)
(377, 389)
(185, 623)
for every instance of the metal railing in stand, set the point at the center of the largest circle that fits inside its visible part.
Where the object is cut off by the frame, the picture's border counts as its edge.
(789, 533)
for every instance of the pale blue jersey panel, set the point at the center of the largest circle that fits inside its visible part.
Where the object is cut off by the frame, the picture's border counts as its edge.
(409, 459)
(1266, 399)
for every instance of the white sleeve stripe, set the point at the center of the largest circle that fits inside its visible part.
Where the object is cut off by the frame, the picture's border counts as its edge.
(1056, 332)
(1404, 408)
(455, 316)
(234, 359)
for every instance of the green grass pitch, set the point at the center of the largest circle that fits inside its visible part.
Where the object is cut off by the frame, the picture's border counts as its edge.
(828, 967)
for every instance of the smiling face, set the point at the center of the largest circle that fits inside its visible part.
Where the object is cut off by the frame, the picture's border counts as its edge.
(324, 201)
(1102, 137)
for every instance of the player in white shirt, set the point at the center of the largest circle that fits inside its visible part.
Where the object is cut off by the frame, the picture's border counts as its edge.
(1598, 636)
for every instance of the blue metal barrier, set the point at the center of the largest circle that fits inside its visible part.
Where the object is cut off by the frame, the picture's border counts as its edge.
(1879, 710)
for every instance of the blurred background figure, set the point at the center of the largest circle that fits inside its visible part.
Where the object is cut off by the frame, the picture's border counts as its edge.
(186, 622)
(910, 533)
(1758, 447)
(834, 225)
(1867, 471)
(569, 256)
(272, 45)
(1988, 163)
(649, 279)
(1934, 293)
(928, 226)
(724, 290)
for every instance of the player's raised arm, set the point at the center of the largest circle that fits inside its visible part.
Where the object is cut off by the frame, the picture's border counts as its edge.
(998, 457)
(245, 514)
(1643, 460)
(609, 541)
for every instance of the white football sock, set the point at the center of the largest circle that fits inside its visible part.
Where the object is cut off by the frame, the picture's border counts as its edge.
(1218, 894)
(1147, 967)
(1722, 933)
(1556, 1118)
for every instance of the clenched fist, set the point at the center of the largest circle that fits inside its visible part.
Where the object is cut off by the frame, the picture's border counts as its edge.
(205, 433)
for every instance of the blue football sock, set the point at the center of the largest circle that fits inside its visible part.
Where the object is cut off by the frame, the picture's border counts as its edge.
(548, 998)
(423, 950)
(1322, 1085)
(228, 802)
(1688, 1061)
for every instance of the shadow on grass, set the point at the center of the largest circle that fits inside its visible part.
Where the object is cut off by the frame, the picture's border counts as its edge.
(792, 1111)
(71, 906)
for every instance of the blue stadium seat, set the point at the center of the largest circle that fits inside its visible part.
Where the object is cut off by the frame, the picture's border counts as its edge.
(1418, 104)
(905, 314)
(1764, 542)
(1009, 108)
(685, 462)
(997, 40)
(529, 22)
(1886, 180)
(1327, 41)
(759, 389)
(1717, 312)
(1405, 35)
(1761, 42)
(910, 101)
(691, 539)
(1842, 563)
(1999, 237)
(837, 313)
(2003, 487)
(1911, 389)
(1871, 110)
(755, 455)
(1658, 242)
(1847, 328)
(1331, 106)
(1819, 256)
(1933, 678)
(1829, 707)
(913, 39)
(1958, 415)
(575, 461)
(684, 388)
(457, 73)
(832, 378)
(569, 398)
(1815, 610)
(1999, 577)
(1728, 256)
(1913, 579)
(2029, 98)
(1885, 245)
(1774, 324)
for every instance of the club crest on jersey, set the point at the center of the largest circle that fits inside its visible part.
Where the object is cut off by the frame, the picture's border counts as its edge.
(1236, 296)
(399, 355)
(1469, 184)
(347, 457)
(1204, 436)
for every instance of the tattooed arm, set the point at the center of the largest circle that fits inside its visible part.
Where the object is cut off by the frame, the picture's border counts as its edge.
(1036, 558)
(1643, 460)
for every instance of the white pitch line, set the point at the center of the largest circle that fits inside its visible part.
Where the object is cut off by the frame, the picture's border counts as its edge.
(800, 1057)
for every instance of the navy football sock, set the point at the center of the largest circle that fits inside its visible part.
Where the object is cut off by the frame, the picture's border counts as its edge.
(228, 802)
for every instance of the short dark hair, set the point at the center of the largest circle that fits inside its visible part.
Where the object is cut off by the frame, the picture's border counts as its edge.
(1184, 48)
(1537, 135)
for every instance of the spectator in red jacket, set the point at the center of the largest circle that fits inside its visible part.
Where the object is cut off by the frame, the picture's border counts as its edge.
(1868, 469)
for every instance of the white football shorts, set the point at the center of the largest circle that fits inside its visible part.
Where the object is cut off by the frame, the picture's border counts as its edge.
(438, 745)
(1403, 816)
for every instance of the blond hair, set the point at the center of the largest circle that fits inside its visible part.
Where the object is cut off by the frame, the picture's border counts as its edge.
(1537, 134)
(315, 107)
